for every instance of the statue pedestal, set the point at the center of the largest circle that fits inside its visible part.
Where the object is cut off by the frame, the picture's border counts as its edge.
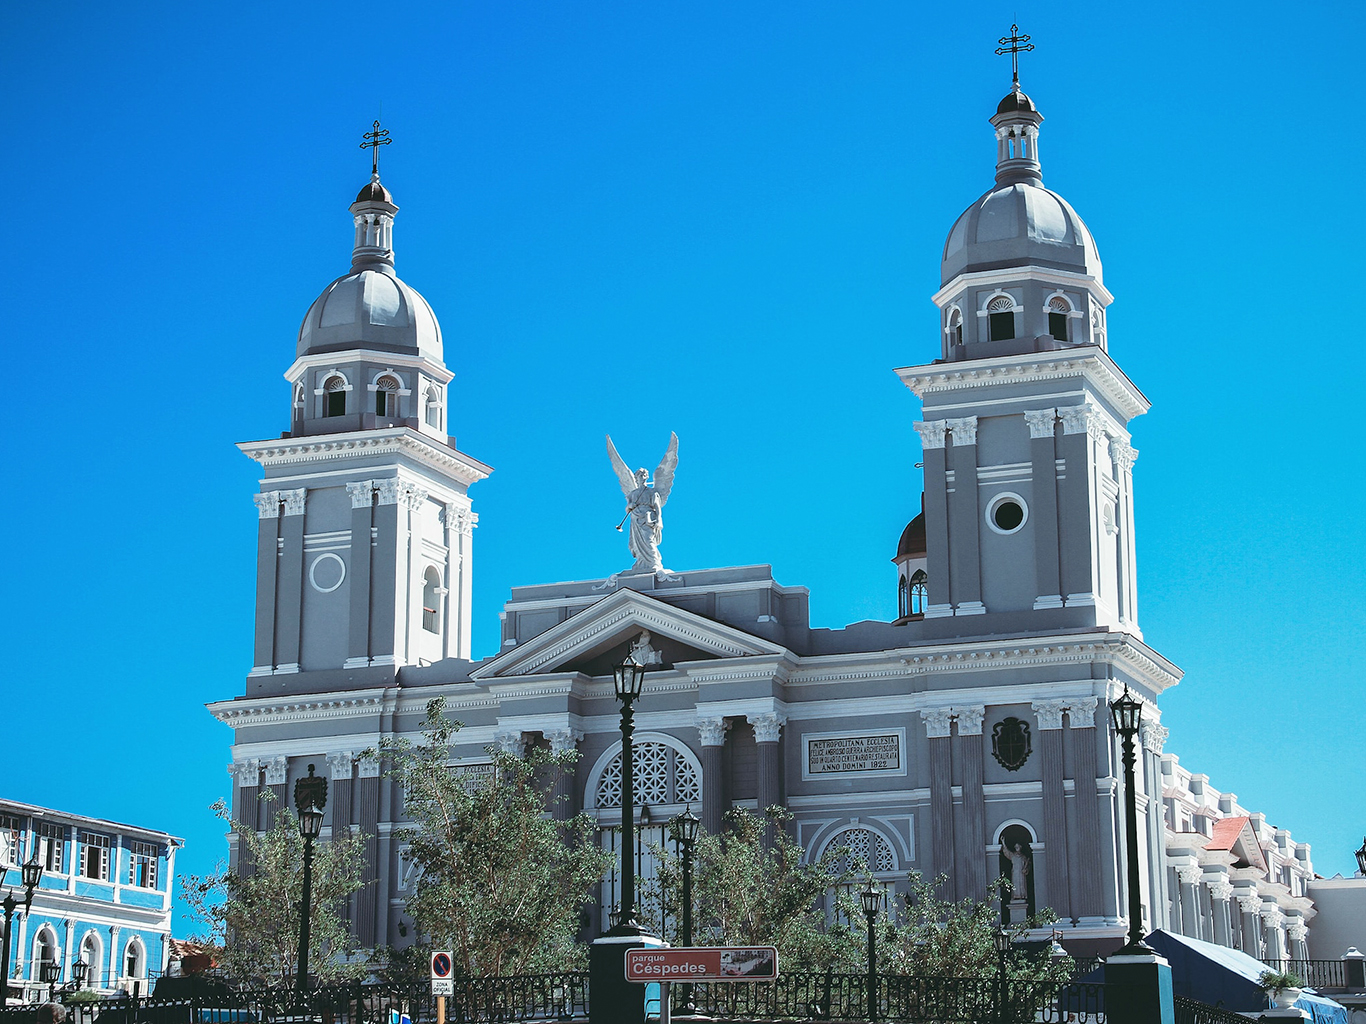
(1019, 909)
(1138, 989)
(613, 999)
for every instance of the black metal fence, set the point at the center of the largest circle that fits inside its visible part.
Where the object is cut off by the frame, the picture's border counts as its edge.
(904, 1000)
(1191, 1011)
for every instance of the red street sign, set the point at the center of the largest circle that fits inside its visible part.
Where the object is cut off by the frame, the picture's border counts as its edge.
(703, 963)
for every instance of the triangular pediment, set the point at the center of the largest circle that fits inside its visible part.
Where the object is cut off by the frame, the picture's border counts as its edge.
(600, 633)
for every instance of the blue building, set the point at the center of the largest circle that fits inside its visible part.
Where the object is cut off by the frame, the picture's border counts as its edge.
(105, 898)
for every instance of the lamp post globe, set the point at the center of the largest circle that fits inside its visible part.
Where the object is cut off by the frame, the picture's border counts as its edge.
(1126, 713)
(80, 970)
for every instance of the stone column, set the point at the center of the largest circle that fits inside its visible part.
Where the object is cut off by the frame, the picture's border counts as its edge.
(1081, 429)
(1154, 737)
(384, 586)
(938, 722)
(1174, 898)
(1124, 456)
(940, 598)
(1044, 473)
(1250, 904)
(713, 735)
(364, 913)
(965, 553)
(1086, 897)
(1048, 714)
(290, 582)
(767, 730)
(461, 534)
(563, 794)
(277, 772)
(511, 741)
(267, 571)
(972, 866)
(1273, 926)
(1220, 891)
(1189, 876)
(69, 953)
(411, 500)
(1297, 933)
(362, 496)
(246, 810)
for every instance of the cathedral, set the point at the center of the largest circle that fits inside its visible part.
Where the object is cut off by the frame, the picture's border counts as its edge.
(969, 737)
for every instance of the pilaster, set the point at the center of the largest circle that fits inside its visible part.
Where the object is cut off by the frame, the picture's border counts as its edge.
(932, 439)
(767, 730)
(965, 554)
(938, 723)
(1043, 455)
(712, 732)
(267, 574)
(973, 866)
(1087, 900)
(1078, 547)
(387, 524)
(362, 494)
(562, 741)
(365, 909)
(1049, 716)
(289, 607)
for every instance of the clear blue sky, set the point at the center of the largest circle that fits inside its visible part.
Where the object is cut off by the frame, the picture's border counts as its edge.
(719, 218)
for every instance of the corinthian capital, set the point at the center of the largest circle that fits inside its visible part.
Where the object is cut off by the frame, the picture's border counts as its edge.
(970, 719)
(712, 731)
(411, 496)
(362, 493)
(563, 739)
(767, 727)
(1081, 712)
(1041, 422)
(1250, 902)
(387, 491)
(1123, 454)
(339, 764)
(267, 504)
(511, 741)
(937, 721)
(964, 430)
(1220, 889)
(294, 501)
(1049, 713)
(931, 433)
(1189, 873)
(1079, 419)
(277, 769)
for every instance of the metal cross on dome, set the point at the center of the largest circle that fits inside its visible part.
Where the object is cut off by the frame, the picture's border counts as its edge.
(380, 137)
(1018, 44)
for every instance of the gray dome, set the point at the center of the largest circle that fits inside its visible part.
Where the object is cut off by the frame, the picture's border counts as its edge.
(370, 309)
(1020, 225)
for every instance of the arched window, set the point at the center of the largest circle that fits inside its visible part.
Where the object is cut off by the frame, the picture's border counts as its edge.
(663, 773)
(90, 953)
(1001, 317)
(1058, 316)
(334, 396)
(903, 603)
(386, 396)
(956, 327)
(920, 592)
(298, 404)
(45, 951)
(134, 960)
(864, 850)
(431, 600)
(433, 415)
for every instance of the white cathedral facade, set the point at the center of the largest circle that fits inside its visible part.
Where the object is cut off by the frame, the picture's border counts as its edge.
(973, 726)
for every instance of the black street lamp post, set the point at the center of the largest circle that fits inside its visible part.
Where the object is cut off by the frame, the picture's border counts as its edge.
(684, 831)
(31, 873)
(49, 973)
(1001, 940)
(1127, 715)
(310, 796)
(1361, 856)
(871, 897)
(629, 679)
(80, 970)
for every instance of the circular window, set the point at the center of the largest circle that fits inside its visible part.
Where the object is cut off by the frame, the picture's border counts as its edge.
(1007, 513)
(327, 572)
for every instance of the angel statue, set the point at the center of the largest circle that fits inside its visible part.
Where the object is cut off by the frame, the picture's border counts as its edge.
(645, 505)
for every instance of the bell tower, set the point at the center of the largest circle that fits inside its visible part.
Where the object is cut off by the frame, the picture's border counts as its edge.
(1027, 457)
(364, 547)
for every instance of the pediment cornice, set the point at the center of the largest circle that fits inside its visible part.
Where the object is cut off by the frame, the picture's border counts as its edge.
(622, 614)
(392, 441)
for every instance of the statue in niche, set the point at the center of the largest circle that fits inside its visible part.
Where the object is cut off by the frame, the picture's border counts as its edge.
(1017, 868)
(645, 505)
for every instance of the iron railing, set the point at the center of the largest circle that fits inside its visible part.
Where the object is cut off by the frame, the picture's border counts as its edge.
(1192, 1011)
(905, 1000)
(1316, 973)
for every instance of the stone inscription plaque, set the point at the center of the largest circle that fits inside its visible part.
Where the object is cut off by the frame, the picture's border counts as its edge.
(879, 753)
(475, 775)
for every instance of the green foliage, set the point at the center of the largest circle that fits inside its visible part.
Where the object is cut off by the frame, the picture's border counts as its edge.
(497, 882)
(1275, 981)
(255, 917)
(745, 893)
(81, 997)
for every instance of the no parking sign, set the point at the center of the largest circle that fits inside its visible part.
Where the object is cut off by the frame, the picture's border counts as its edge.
(442, 984)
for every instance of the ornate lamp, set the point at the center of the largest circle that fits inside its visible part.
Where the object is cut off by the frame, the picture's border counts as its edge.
(310, 823)
(1361, 856)
(310, 797)
(871, 898)
(80, 970)
(32, 873)
(629, 679)
(683, 828)
(1127, 715)
(1002, 941)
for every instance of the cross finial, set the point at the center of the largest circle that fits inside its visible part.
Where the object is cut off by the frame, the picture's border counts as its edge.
(1018, 44)
(380, 137)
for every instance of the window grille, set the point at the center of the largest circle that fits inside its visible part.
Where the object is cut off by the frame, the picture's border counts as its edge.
(142, 865)
(95, 856)
(865, 851)
(662, 776)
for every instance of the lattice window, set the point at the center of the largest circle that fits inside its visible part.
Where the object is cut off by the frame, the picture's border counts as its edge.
(52, 842)
(386, 396)
(95, 856)
(662, 776)
(10, 829)
(142, 865)
(866, 851)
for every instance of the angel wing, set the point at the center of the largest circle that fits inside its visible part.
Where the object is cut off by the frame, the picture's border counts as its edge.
(664, 472)
(628, 481)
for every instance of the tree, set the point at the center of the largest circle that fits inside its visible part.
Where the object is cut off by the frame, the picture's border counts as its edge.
(254, 917)
(497, 881)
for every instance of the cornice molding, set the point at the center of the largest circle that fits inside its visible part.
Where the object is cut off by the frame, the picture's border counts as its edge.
(316, 707)
(367, 443)
(1088, 362)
